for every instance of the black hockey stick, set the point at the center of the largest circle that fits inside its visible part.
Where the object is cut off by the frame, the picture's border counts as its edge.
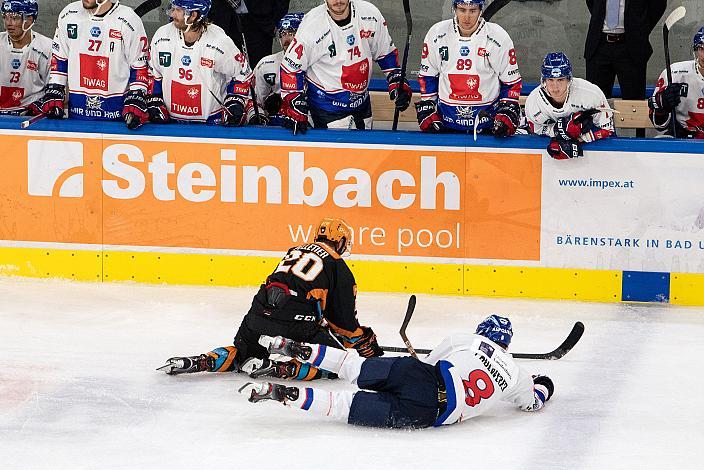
(557, 353)
(493, 8)
(409, 31)
(402, 331)
(252, 87)
(147, 6)
(676, 15)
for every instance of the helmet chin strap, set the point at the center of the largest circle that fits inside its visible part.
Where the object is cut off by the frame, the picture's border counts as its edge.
(26, 30)
(99, 5)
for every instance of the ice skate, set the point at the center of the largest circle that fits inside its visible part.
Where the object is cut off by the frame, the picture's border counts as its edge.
(187, 365)
(286, 347)
(256, 392)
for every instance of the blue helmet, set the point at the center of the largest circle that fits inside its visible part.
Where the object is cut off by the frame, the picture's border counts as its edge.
(25, 8)
(497, 329)
(289, 22)
(468, 2)
(201, 6)
(698, 40)
(556, 65)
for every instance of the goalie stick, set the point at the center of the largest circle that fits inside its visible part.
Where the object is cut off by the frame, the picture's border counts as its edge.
(676, 15)
(572, 338)
(409, 31)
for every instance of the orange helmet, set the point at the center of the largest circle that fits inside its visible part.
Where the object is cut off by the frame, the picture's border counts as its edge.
(337, 233)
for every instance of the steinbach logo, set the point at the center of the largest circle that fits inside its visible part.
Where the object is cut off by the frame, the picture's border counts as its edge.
(48, 162)
(53, 164)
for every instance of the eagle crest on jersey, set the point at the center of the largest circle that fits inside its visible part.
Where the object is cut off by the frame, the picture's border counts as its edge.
(336, 231)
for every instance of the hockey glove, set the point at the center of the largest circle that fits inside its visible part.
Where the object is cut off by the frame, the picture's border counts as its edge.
(52, 103)
(561, 149)
(571, 128)
(233, 110)
(272, 104)
(366, 345)
(666, 100)
(399, 93)
(543, 389)
(429, 119)
(506, 119)
(158, 112)
(294, 110)
(134, 110)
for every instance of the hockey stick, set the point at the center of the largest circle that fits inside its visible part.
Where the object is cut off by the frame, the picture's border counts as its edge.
(29, 122)
(147, 6)
(252, 87)
(482, 115)
(676, 15)
(557, 353)
(402, 331)
(409, 31)
(493, 8)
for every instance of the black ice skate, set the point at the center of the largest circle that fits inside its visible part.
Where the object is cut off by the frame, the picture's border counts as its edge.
(267, 391)
(187, 365)
(256, 368)
(286, 347)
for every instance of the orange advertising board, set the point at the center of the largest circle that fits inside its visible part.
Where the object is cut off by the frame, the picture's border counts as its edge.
(244, 195)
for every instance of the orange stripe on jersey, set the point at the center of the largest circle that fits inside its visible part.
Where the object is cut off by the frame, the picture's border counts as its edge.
(329, 249)
(319, 294)
(347, 335)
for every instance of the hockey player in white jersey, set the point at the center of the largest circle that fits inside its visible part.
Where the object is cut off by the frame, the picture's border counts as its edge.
(464, 377)
(469, 75)
(266, 73)
(199, 74)
(100, 54)
(327, 67)
(567, 109)
(26, 58)
(685, 95)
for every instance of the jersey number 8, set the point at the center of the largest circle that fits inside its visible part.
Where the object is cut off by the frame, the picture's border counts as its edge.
(473, 392)
(306, 266)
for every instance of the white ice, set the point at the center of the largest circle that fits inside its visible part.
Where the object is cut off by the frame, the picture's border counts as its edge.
(78, 389)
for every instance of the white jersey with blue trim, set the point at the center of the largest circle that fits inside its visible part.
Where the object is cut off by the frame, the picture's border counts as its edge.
(25, 72)
(266, 76)
(188, 76)
(99, 58)
(582, 95)
(466, 74)
(336, 61)
(690, 112)
(478, 374)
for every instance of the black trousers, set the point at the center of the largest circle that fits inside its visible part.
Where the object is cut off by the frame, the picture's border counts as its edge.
(259, 40)
(613, 60)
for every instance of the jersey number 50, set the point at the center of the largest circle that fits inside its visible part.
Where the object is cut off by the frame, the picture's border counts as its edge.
(307, 266)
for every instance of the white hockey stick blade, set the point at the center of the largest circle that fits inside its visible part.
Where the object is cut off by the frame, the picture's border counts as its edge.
(676, 15)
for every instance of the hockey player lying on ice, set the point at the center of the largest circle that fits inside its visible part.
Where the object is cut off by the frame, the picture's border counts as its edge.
(464, 377)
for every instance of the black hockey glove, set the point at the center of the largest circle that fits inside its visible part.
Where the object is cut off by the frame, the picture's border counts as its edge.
(294, 110)
(429, 119)
(272, 104)
(399, 93)
(561, 149)
(507, 118)
(158, 112)
(233, 111)
(366, 345)
(134, 109)
(666, 100)
(572, 127)
(543, 383)
(52, 103)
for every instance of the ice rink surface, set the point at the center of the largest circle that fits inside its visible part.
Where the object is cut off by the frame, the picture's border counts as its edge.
(78, 389)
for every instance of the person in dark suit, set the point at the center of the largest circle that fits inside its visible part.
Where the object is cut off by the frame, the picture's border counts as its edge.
(617, 43)
(258, 19)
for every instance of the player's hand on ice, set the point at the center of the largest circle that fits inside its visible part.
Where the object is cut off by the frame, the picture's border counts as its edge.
(429, 119)
(367, 345)
(52, 103)
(233, 111)
(543, 389)
(561, 149)
(294, 110)
(666, 99)
(158, 112)
(134, 109)
(506, 119)
(399, 92)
